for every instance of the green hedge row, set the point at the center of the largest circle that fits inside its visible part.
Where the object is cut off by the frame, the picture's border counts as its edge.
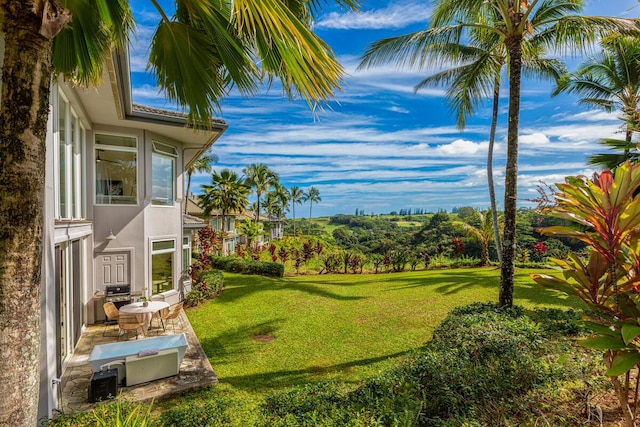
(234, 264)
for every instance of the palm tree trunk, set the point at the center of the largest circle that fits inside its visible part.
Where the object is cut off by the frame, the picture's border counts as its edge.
(310, 208)
(293, 208)
(492, 191)
(26, 74)
(514, 47)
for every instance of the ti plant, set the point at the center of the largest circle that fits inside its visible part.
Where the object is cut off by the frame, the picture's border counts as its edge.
(603, 213)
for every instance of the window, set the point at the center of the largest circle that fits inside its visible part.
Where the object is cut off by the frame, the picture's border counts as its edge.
(69, 140)
(116, 170)
(186, 253)
(162, 262)
(163, 174)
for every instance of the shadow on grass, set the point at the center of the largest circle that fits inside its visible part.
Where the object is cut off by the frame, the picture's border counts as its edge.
(233, 343)
(281, 379)
(235, 289)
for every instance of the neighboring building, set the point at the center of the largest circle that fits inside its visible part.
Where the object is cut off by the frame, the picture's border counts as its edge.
(113, 196)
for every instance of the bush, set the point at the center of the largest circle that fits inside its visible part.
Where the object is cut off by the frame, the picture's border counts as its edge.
(205, 285)
(208, 414)
(238, 265)
(118, 412)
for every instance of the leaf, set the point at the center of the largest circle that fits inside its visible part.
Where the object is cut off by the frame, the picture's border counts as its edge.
(603, 343)
(623, 362)
(630, 332)
(598, 328)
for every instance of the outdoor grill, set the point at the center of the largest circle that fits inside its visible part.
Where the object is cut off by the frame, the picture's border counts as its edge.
(117, 294)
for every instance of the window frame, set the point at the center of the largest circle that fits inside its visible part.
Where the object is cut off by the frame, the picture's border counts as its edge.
(153, 252)
(169, 153)
(107, 147)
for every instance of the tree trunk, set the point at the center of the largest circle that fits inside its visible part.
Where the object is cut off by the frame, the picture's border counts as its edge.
(26, 79)
(621, 393)
(492, 191)
(514, 47)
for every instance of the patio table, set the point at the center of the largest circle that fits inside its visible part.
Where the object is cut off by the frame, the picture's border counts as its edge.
(144, 313)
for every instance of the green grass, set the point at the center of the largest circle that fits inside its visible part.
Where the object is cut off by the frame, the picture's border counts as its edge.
(343, 327)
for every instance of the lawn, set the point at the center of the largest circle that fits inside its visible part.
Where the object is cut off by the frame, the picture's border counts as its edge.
(263, 333)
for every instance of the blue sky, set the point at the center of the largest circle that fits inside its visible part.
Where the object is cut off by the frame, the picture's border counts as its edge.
(381, 147)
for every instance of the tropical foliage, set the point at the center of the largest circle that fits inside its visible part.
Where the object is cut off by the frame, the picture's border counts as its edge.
(606, 216)
(611, 81)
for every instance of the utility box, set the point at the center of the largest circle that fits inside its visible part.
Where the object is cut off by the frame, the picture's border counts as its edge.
(103, 385)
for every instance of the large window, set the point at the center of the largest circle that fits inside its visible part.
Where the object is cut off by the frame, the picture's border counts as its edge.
(116, 169)
(163, 174)
(69, 140)
(162, 262)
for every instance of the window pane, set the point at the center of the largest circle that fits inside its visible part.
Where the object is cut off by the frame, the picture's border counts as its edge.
(162, 245)
(62, 157)
(116, 177)
(116, 140)
(186, 259)
(161, 272)
(162, 180)
(75, 165)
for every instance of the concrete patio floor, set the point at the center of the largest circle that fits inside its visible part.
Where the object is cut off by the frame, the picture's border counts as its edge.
(195, 372)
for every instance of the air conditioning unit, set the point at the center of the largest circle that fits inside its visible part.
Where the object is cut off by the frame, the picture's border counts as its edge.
(103, 385)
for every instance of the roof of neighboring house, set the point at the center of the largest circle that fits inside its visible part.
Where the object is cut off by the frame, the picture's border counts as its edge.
(193, 222)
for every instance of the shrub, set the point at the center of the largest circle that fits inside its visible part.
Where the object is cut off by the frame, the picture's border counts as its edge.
(237, 265)
(205, 284)
(208, 414)
(118, 412)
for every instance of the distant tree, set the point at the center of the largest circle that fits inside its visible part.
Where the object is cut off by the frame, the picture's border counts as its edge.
(227, 193)
(483, 233)
(203, 164)
(260, 178)
(313, 196)
(296, 195)
(251, 231)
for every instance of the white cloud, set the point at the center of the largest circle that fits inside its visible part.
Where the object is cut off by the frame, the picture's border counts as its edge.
(393, 16)
(397, 109)
(462, 147)
(537, 138)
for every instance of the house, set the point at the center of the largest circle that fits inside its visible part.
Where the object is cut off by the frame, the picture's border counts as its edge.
(113, 195)
(231, 238)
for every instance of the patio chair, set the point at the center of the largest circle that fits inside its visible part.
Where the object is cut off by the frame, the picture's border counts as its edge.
(171, 313)
(112, 313)
(130, 322)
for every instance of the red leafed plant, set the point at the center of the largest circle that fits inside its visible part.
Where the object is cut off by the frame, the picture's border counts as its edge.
(604, 213)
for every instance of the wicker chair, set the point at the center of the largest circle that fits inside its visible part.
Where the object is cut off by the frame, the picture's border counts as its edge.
(112, 313)
(171, 313)
(129, 322)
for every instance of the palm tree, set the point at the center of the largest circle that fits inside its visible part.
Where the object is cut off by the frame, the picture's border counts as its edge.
(483, 233)
(511, 21)
(227, 193)
(197, 56)
(203, 164)
(250, 230)
(313, 196)
(261, 179)
(296, 195)
(476, 78)
(611, 80)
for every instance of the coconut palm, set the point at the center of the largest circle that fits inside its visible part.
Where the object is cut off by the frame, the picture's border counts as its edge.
(196, 56)
(261, 179)
(476, 78)
(483, 232)
(203, 164)
(296, 195)
(227, 193)
(611, 81)
(511, 22)
(313, 196)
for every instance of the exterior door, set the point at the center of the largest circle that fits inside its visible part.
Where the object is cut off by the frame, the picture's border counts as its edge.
(113, 268)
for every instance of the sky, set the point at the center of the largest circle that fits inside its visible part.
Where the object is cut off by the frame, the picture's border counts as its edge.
(381, 147)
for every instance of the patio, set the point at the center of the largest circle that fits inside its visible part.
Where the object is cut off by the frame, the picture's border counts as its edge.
(195, 371)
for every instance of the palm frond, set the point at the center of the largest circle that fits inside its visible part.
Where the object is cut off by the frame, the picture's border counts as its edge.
(96, 28)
